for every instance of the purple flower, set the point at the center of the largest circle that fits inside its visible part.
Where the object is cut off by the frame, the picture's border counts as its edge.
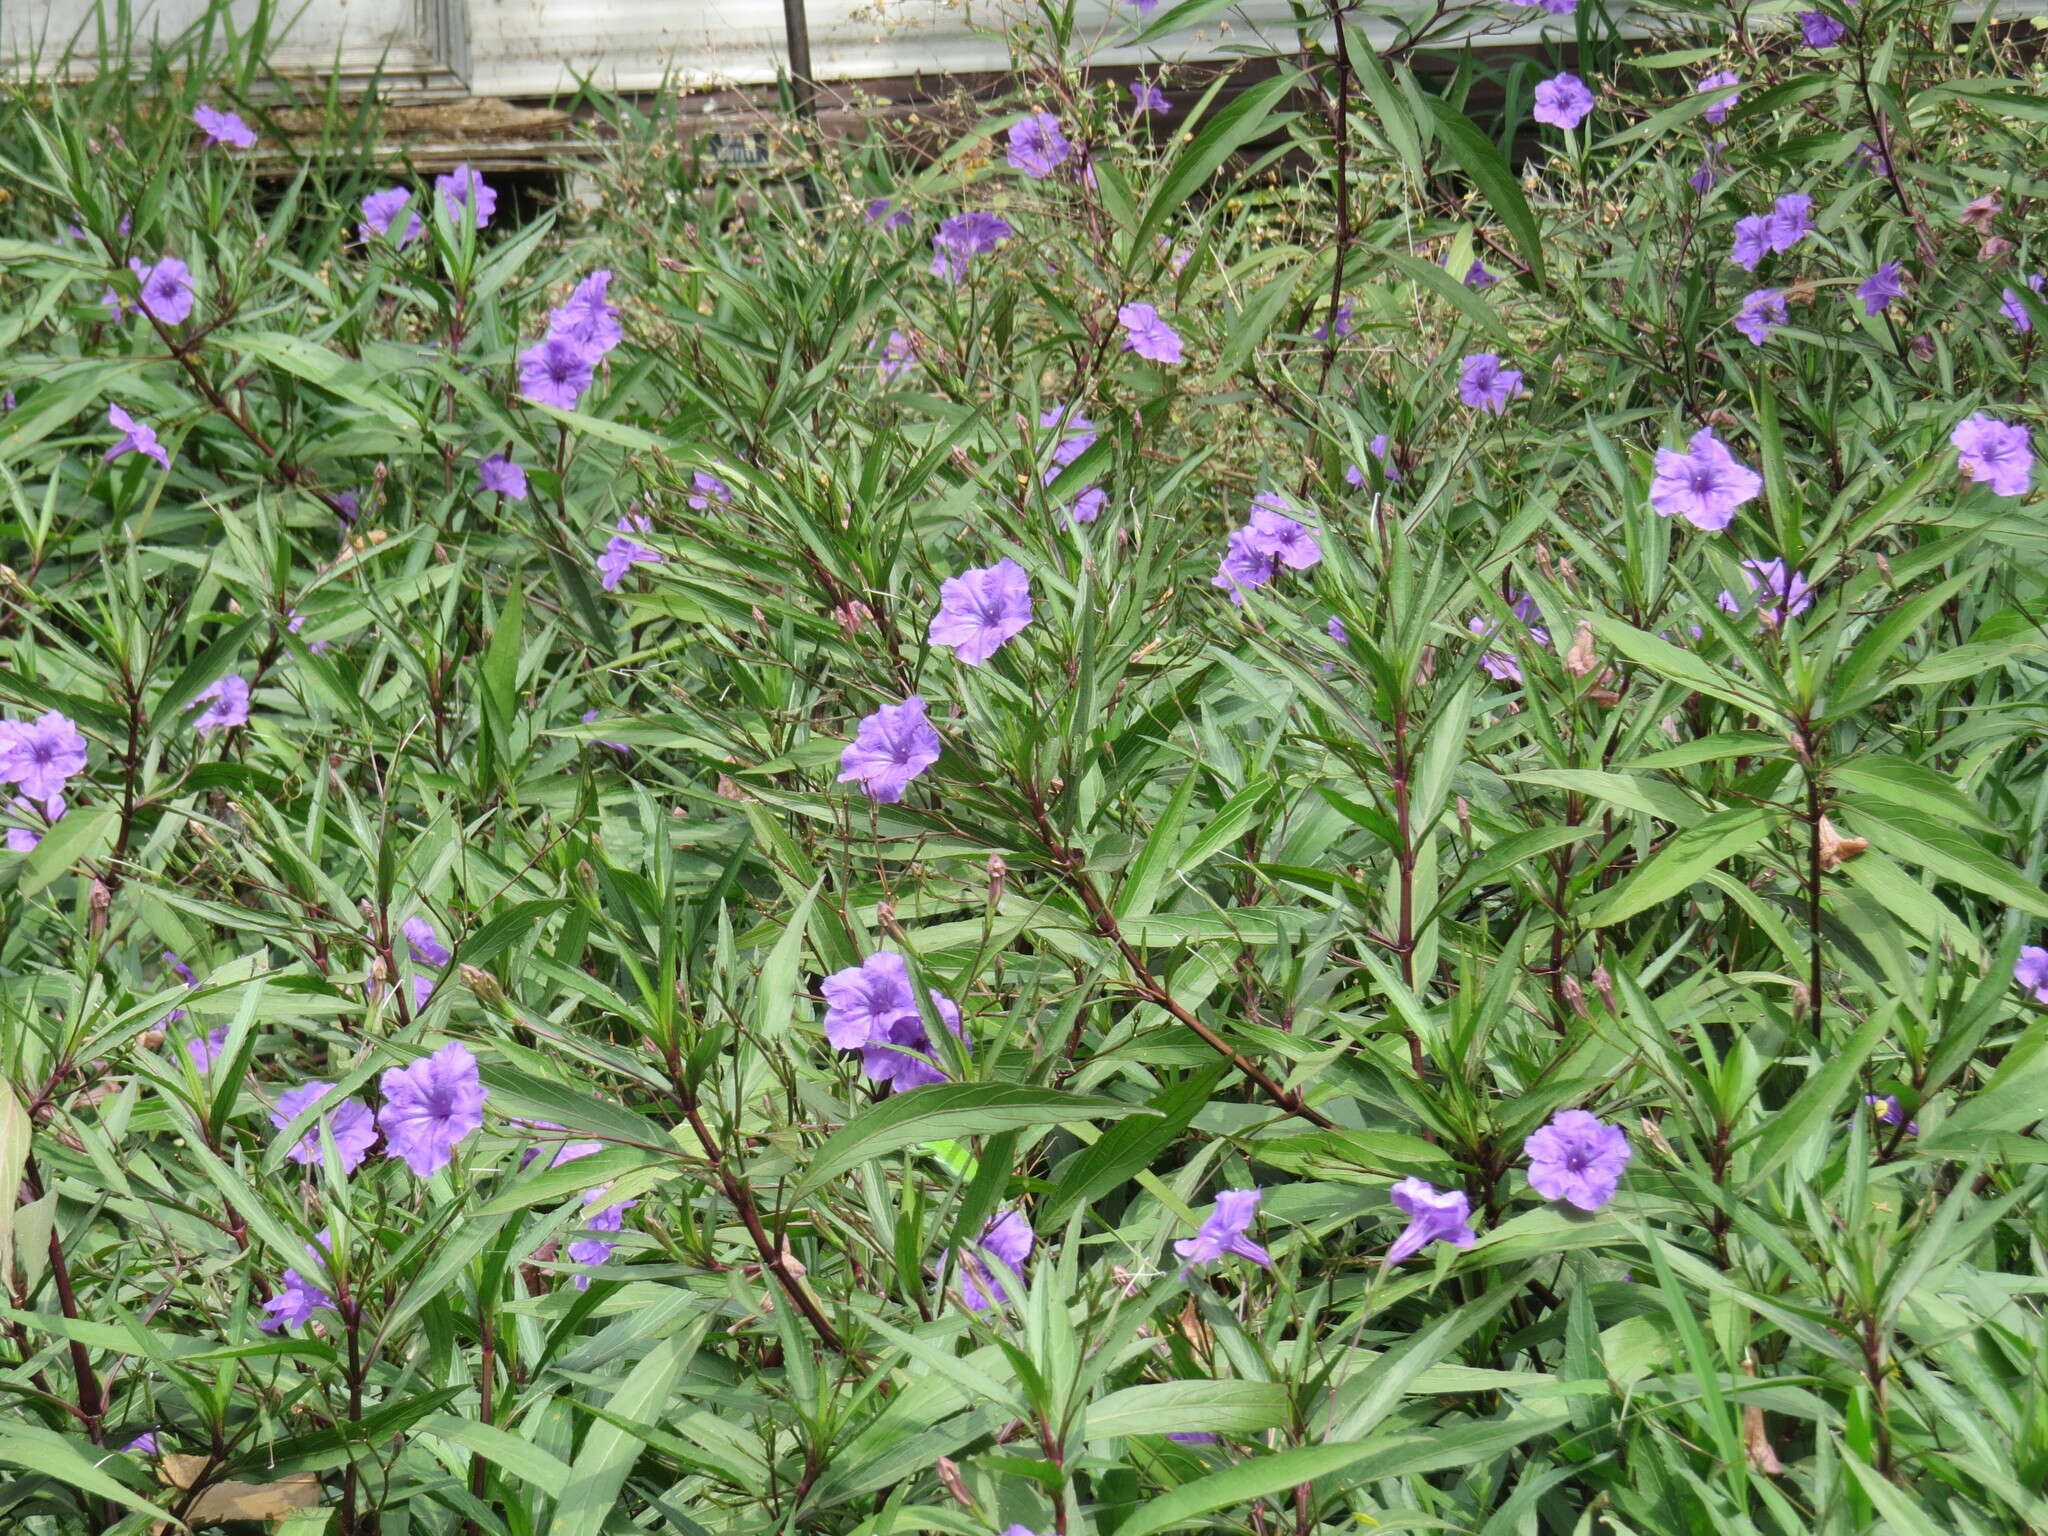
(430, 1106)
(25, 839)
(1006, 1242)
(610, 1218)
(2031, 971)
(1718, 81)
(501, 473)
(1077, 436)
(1554, 7)
(1037, 147)
(1779, 594)
(589, 320)
(1432, 1218)
(1500, 665)
(1272, 532)
(1702, 180)
(143, 1444)
(1704, 486)
(555, 372)
(705, 489)
(349, 1123)
(962, 238)
(182, 970)
(1150, 337)
(898, 354)
(1088, 505)
(617, 746)
(1879, 289)
(1994, 452)
(1485, 385)
(1577, 1159)
(1791, 220)
(2015, 310)
(1336, 631)
(223, 127)
(463, 191)
(1820, 29)
(1143, 8)
(205, 1050)
(870, 1008)
(1562, 101)
(166, 289)
(1752, 241)
(1889, 1112)
(227, 704)
(39, 755)
(892, 746)
(1243, 566)
(1345, 323)
(1872, 155)
(424, 944)
(1353, 475)
(883, 211)
(620, 555)
(1762, 312)
(380, 209)
(1194, 1437)
(348, 505)
(1147, 97)
(1224, 1231)
(136, 437)
(1476, 275)
(981, 608)
(294, 1306)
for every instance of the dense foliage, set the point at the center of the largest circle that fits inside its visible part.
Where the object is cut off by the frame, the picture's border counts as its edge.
(673, 865)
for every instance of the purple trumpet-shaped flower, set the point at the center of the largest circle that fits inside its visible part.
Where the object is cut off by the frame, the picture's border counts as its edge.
(2031, 971)
(143, 1444)
(980, 609)
(1577, 1158)
(349, 1123)
(1433, 1217)
(424, 944)
(1778, 593)
(1148, 335)
(1500, 665)
(294, 1305)
(1563, 101)
(1878, 290)
(883, 211)
(39, 816)
(1224, 1231)
(706, 488)
(223, 127)
(594, 1248)
(1077, 436)
(617, 746)
(227, 705)
(1353, 475)
(1820, 30)
(998, 1254)
(206, 1049)
(501, 473)
(430, 1106)
(891, 747)
(381, 211)
(624, 551)
(1719, 82)
(136, 437)
(1791, 220)
(465, 192)
(589, 320)
(1147, 97)
(1752, 241)
(39, 756)
(166, 289)
(1088, 505)
(1995, 453)
(1762, 312)
(1037, 147)
(556, 372)
(962, 238)
(1243, 567)
(870, 1008)
(1705, 485)
(1272, 531)
(1485, 385)
(2014, 309)
(898, 355)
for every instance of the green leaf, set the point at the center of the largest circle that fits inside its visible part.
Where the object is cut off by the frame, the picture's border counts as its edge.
(2012, 1100)
(1652, 797)
(338, 375)
(1947, 851)
(1480, 158)
(1680, 863)
(1452, 291)
(610, 1449)
(40, 1450)
(82, 835)
(1130, 1147)
(522, 1458)
(1236, 125)
(943, 1111)
(1817, 1104)
(1678, 665)
(1166, 1407)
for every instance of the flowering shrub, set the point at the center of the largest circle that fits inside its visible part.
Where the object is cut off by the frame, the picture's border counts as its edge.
(1312, 808)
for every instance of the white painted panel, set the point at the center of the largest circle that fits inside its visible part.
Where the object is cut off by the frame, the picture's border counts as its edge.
(534, 47)
(419, 44)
